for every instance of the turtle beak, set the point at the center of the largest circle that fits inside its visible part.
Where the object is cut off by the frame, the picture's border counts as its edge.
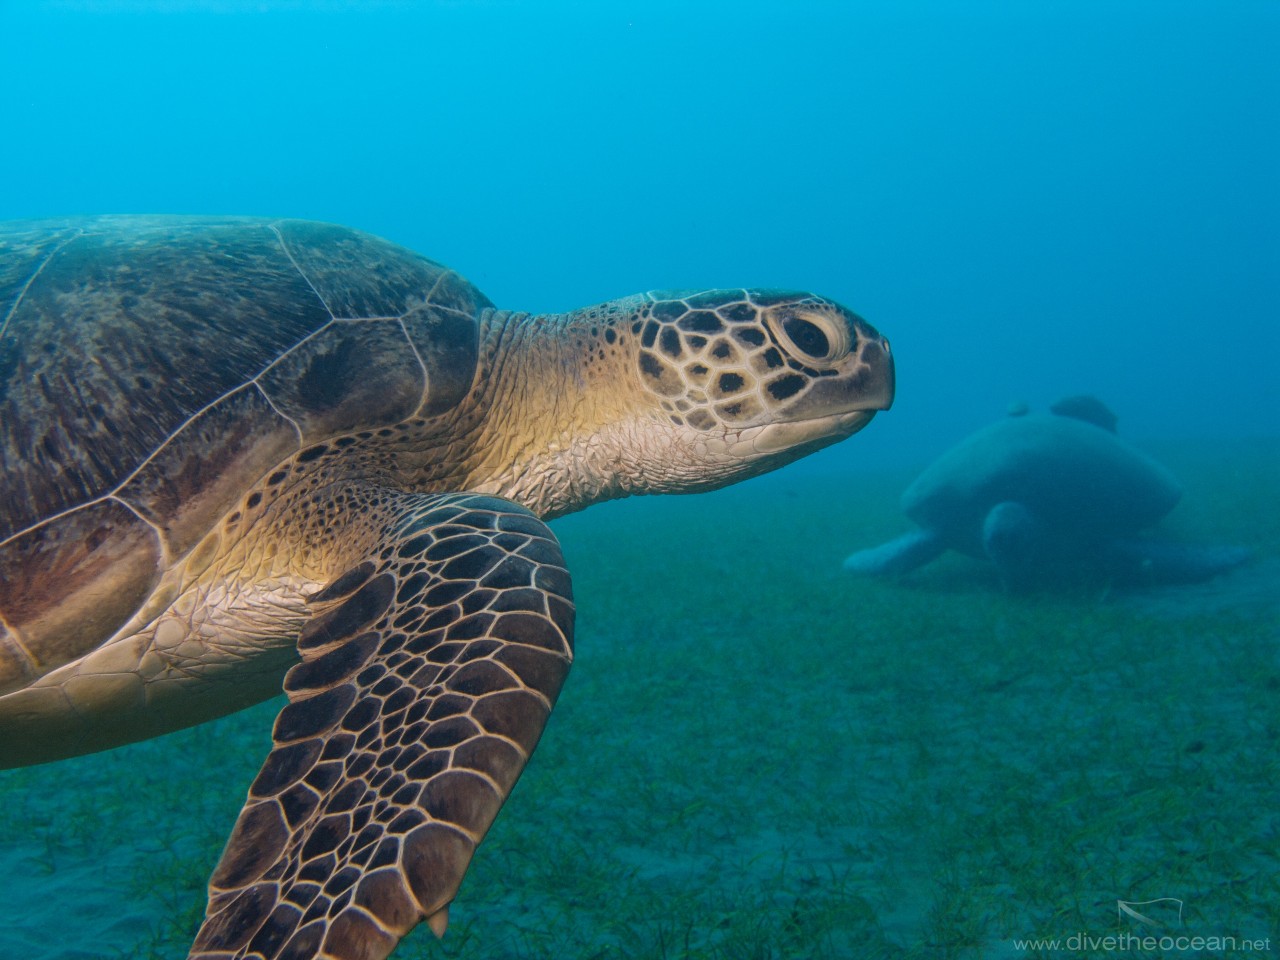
(840, 404)
(861, 382)
(880, 381)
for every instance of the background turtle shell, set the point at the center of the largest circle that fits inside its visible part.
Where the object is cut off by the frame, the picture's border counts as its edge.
(1074, 475)
(153, 368)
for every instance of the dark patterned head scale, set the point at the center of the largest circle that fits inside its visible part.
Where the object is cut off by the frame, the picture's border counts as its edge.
(738, 358)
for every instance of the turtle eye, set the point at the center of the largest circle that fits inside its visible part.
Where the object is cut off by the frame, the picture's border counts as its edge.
(812, 336)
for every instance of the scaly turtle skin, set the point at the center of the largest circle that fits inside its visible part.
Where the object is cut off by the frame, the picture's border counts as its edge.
(244, 455)
(1047, 498)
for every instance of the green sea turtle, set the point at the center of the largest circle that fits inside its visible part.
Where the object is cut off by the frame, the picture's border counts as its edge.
(242, 455)
(1047, 498)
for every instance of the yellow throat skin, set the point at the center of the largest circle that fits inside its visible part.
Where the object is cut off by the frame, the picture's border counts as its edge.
(665, 393)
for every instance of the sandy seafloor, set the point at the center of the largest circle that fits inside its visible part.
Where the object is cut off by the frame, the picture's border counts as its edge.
(759, 757)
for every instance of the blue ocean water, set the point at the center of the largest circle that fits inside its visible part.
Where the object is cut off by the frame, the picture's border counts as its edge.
(1029, 199)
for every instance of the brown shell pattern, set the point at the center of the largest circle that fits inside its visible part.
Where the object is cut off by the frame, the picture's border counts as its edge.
(153, 368)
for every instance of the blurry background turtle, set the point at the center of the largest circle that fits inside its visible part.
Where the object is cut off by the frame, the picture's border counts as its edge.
(1048, 498)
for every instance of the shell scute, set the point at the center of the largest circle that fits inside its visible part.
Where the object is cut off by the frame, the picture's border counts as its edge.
(196, 477)
(359, 275)
(68, 584)
(353, 375)
(22, 252)
(447, 343)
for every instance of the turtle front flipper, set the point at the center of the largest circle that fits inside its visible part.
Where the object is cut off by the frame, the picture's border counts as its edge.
(1159, 563)
(424, 686)
(900, 555)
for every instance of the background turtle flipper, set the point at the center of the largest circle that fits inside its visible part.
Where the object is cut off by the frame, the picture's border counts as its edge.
(1154, 562)
(423, 688)
(898, 556)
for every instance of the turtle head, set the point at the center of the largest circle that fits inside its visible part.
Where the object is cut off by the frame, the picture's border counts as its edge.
(674, 392)
(755, 379)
